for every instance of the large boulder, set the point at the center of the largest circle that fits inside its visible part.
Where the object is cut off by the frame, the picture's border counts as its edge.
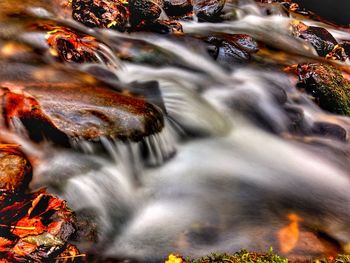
(75, 110)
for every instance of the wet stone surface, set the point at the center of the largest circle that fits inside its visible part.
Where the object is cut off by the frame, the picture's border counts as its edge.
(100, 13)
(161, 27)
(330, 130)
(144, 10)
(228, 50)
(208, 10)
(15, 169)
(58, 110)
(177, 7)
(69, 46)
(327, 85)
(318, 37)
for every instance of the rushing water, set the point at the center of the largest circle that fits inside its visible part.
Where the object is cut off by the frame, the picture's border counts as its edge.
(227, 169)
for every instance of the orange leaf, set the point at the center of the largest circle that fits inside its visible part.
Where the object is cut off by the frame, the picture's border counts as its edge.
(23, 248)
(288, 236)
(5, 244)
(28, 226)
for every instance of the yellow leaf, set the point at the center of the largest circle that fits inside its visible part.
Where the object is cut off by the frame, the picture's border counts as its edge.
(174, 259)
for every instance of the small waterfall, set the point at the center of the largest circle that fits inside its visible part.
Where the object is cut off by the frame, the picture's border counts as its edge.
(152, 150)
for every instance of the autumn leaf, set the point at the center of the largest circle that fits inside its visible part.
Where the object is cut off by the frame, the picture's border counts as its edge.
(288, 236)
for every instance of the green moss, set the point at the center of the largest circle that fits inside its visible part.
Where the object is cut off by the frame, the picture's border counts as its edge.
(242, 257)
(327, 85)
(251, 257)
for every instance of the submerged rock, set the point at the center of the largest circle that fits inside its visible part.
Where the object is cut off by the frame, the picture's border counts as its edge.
(100, 13)
(327, 85)
(330, 130)
(59, 110)
(15, 169)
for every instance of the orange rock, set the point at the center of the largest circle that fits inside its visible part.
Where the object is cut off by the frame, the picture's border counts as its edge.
(15, 169)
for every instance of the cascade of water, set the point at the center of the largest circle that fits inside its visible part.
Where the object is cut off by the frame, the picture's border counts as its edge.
(273, 30)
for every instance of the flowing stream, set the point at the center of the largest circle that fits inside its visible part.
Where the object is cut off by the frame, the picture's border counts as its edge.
(237, 155)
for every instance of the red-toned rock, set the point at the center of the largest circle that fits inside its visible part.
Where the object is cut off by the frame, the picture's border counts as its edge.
(101, 13)
(15, 169)
(55, 110)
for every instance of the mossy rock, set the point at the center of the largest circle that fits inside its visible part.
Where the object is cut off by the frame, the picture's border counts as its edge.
(327, 85)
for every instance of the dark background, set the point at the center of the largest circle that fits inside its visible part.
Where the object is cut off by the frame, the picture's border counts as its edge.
(335, 10)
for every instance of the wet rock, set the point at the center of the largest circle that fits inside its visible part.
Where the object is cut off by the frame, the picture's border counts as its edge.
(57, 111)
(69, 46)
(208, 10)
(244, 42)
(162, 27)
(144, 10)
(346, 46)
(337, 53)
(15, 169)
(318, 37)
(231, 49)
(101, 13)
(296, 119)
(327, 85)
(340, 51)
(142, 52)
(229, 54)
(177, 7)
(330, 130)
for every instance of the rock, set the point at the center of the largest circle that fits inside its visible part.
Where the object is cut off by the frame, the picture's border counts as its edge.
(330, 130)
(244, 42)
(231, 49)
(60, 110)
(177, 7)
(144, 10)
(208, 10)
(229, 54)
(162, 27)
(69, 46)
(101, 13)
(15, 169)
(346, 46)
(327, 85)
(296, 119)
(318, 37)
